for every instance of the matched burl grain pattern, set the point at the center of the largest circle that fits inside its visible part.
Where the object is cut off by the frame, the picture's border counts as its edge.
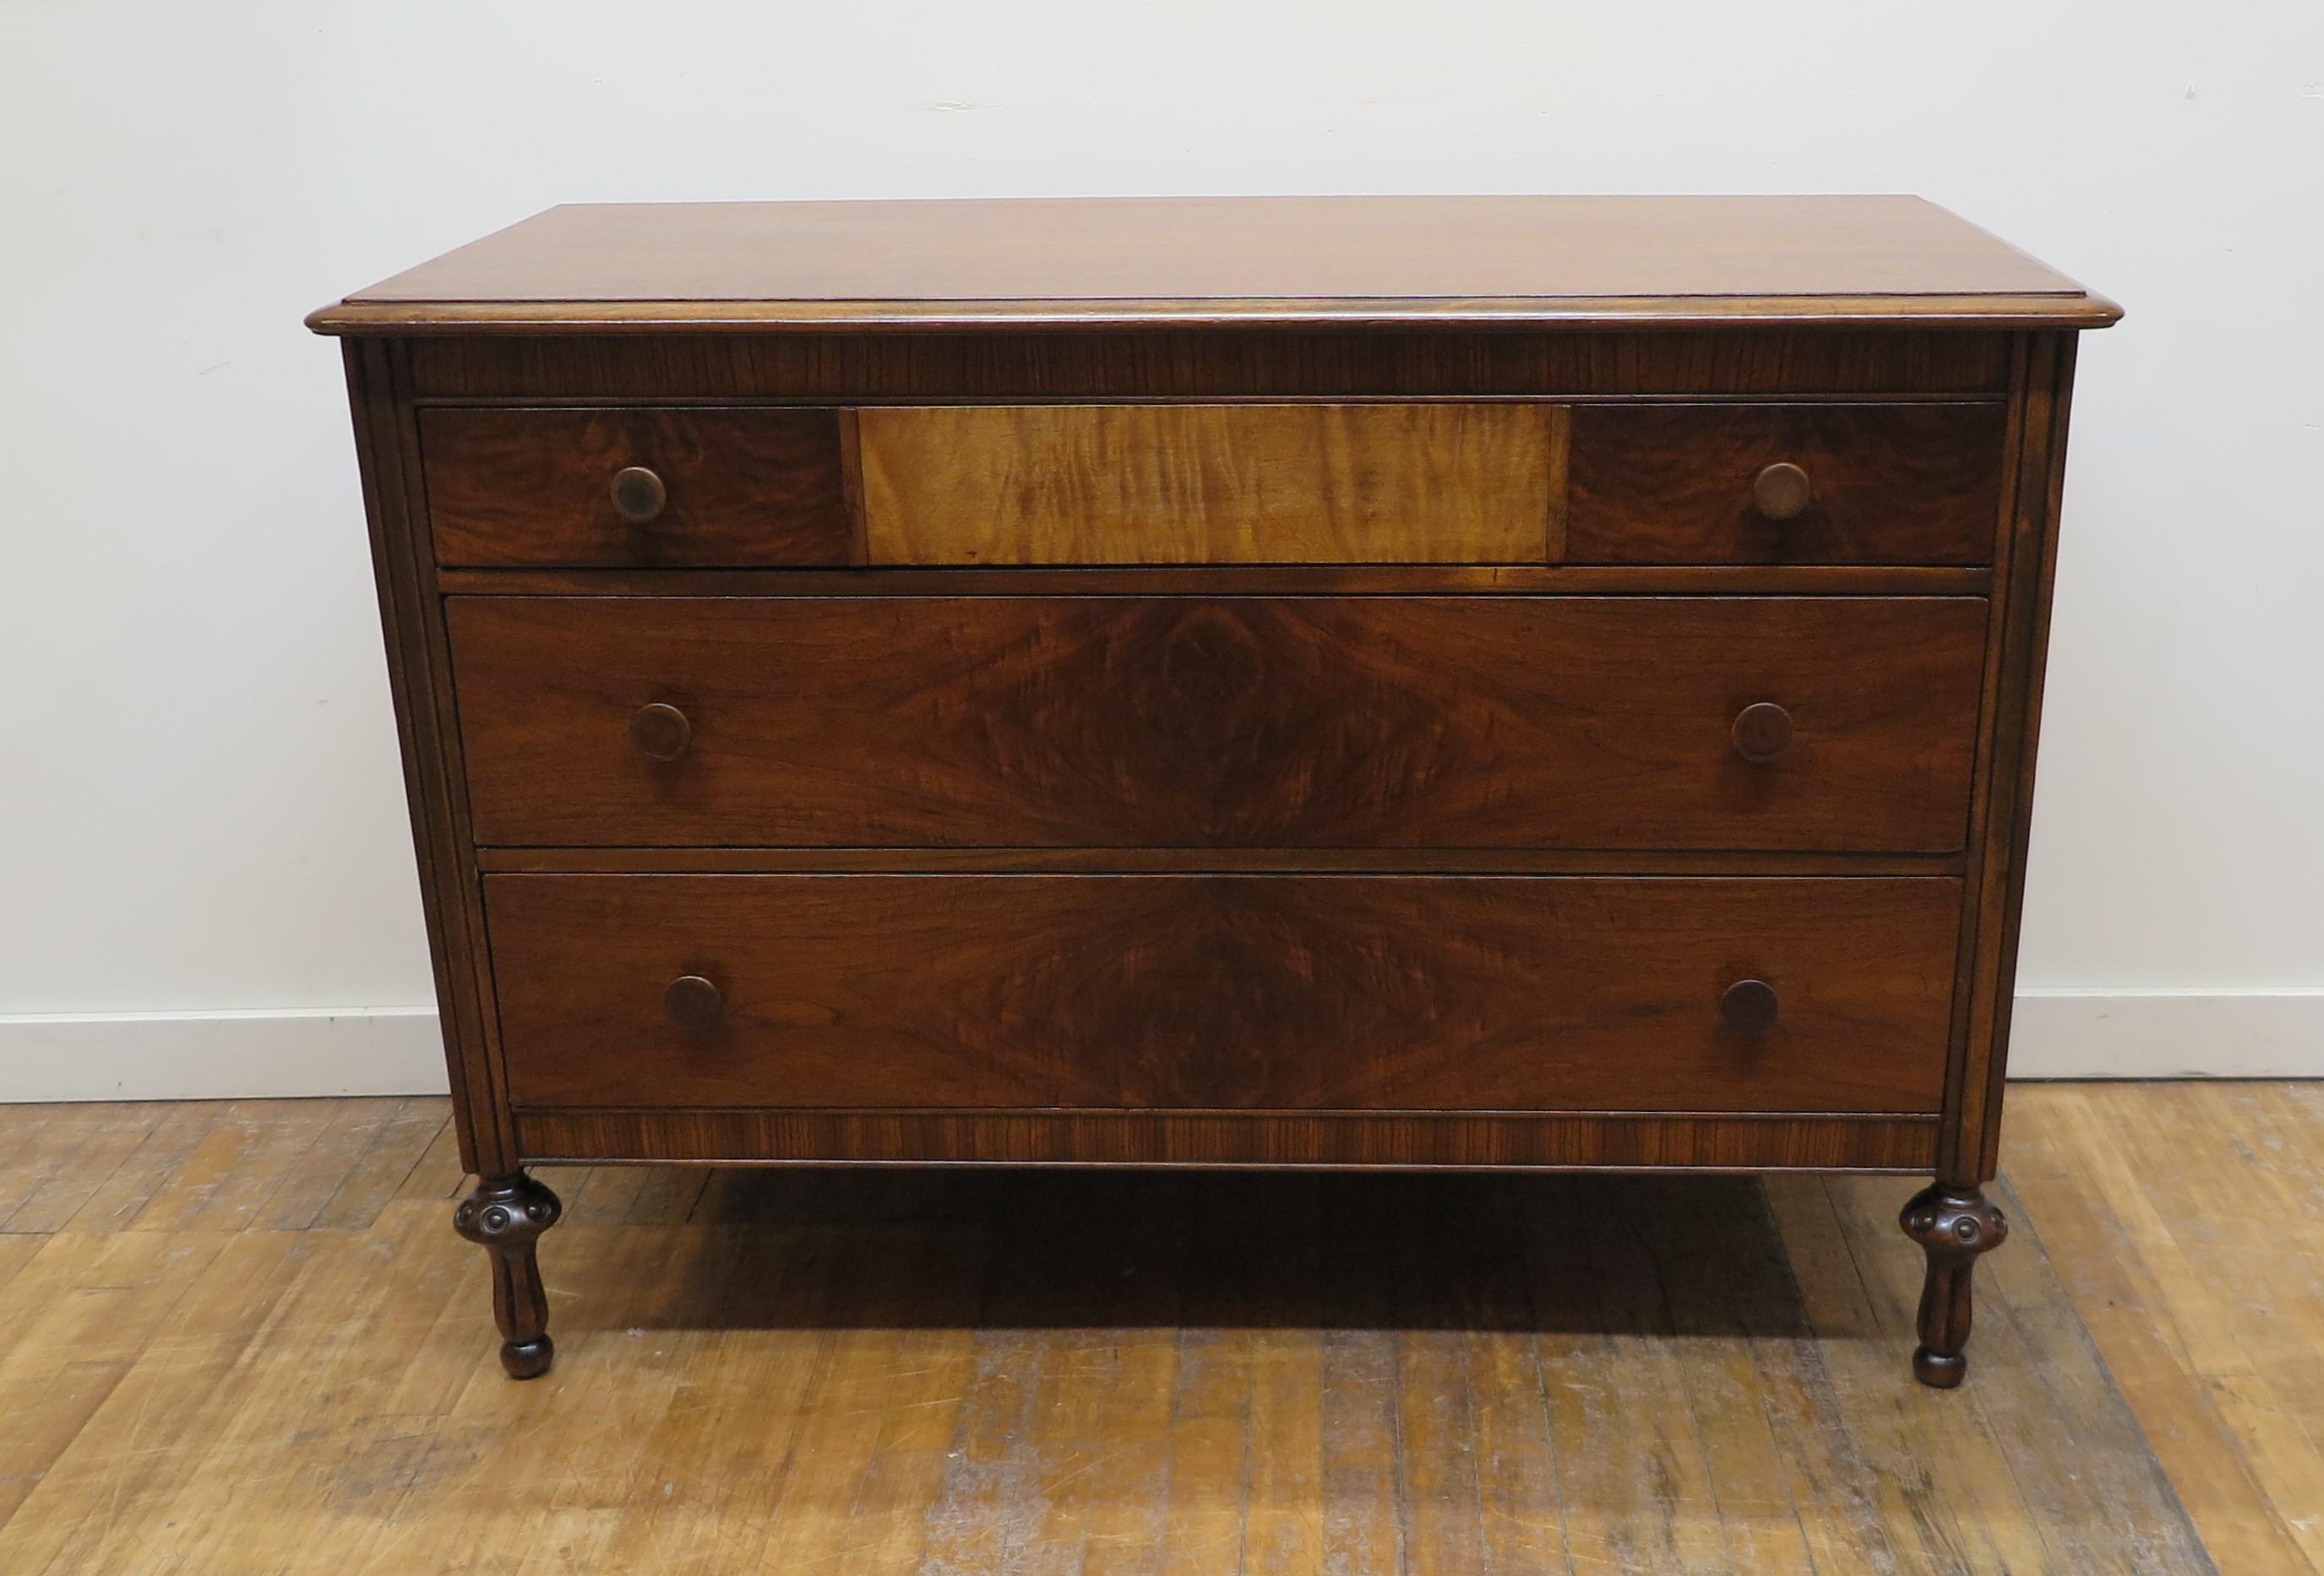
(1905, 484)
(1224, 992)
(534, 488)
(1399, 483)
(1220, 722)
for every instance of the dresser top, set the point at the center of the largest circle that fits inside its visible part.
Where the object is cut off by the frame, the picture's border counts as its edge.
(1244, 261)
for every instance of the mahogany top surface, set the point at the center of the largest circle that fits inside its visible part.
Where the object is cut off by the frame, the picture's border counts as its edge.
(1583, 261)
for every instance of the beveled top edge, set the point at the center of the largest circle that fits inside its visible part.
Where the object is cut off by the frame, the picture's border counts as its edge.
(2087, 311)
(1432, 261)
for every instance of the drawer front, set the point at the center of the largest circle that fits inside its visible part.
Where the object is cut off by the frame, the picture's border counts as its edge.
(1884, 484)
(1443, 483)
(1223, 992)
(695, 487)
(1478, 482)
(1612, 723)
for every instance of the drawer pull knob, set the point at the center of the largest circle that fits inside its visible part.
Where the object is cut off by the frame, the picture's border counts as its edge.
(1749, 1006)
(692, 1002)
(662, 732)
(1762, 731)
(1781, 491)
(639, 494)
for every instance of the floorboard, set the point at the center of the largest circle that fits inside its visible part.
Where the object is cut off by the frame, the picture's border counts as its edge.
(243, 1337)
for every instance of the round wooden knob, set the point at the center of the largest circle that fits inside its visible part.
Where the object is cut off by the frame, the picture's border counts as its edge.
(1762, 731)
(1749, 1006)
(638, 494)
(661, 732)
(1780, 491)
(692, 1002)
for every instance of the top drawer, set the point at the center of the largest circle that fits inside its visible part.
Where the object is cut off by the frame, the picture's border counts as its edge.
(1443, 482)
(694, 488)
(1886, 484)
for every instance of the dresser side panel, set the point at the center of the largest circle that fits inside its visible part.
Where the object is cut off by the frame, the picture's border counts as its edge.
(419, 680)
(2025, 567)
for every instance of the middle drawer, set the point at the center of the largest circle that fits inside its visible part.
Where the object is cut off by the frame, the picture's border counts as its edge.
(1502, 722)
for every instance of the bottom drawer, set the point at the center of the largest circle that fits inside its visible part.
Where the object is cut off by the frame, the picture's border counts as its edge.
(1349, 993)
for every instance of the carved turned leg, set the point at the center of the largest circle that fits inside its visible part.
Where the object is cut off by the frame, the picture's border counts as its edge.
(1952, 1225)
(505, 1215)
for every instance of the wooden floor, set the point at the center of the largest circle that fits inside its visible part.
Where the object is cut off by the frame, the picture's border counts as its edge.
(242, 1338)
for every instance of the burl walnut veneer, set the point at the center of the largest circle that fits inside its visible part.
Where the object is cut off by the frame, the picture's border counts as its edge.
(1452, 681)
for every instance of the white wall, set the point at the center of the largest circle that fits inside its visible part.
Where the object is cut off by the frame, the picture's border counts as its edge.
(199, 804)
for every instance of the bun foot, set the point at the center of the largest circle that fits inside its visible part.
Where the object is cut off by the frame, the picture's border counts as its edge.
(1938, 1370)
(506, 1217)
(527, 1359)
(1954, 1226)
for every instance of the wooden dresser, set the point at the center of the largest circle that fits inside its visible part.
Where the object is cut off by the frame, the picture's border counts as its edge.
(1416, 683)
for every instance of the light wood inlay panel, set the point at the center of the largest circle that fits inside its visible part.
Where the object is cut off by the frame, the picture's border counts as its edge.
(1428, 483)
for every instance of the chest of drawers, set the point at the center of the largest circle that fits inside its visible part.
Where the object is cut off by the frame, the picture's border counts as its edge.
(1480, 682)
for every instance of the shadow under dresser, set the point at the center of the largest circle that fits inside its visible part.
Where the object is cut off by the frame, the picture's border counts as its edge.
(1355, 682)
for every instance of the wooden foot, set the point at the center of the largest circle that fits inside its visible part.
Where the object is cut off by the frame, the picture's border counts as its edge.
(1953, 1225)
(505, 1215)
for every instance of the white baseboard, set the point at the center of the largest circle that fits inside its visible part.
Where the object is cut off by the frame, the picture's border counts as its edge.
(233, 1056)
(2167, 1033)
(396, 1051)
